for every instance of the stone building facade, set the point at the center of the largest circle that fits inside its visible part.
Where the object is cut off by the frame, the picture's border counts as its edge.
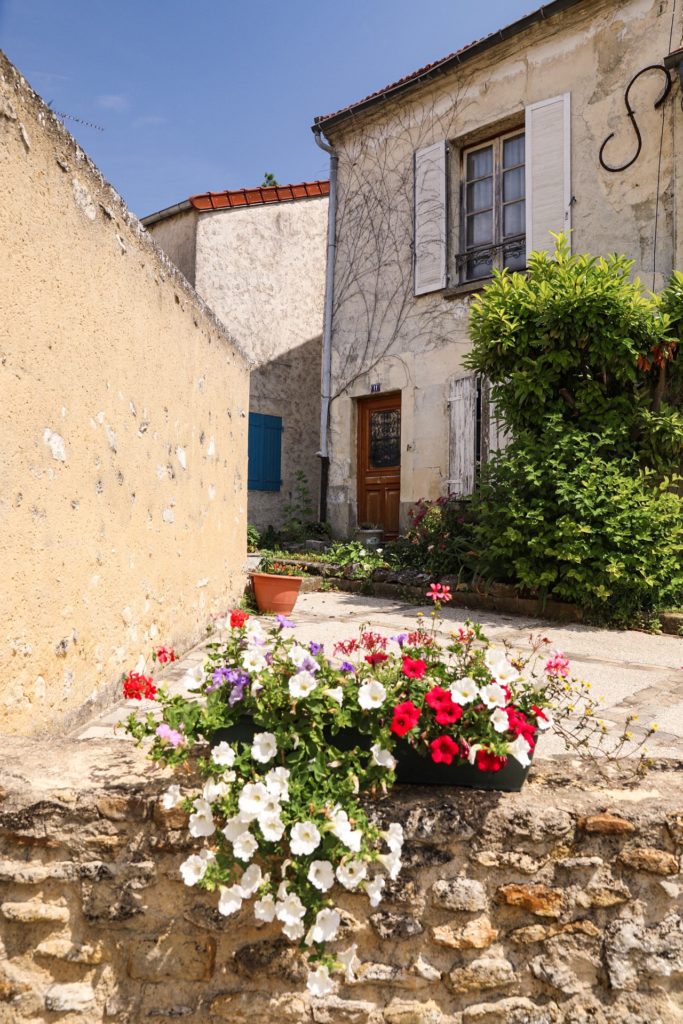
(470, 163)
(124, 425)
(257, 257)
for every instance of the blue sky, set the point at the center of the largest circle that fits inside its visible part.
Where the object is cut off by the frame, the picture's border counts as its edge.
(210, 94)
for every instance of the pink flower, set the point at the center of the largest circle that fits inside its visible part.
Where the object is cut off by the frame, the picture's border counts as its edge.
(439, 592)
(165, 732)
(558, 665)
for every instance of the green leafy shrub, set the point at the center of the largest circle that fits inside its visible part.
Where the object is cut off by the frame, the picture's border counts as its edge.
(253, 538)
(439, 540)
(560, 515)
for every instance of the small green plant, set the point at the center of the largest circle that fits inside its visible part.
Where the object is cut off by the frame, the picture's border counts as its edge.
(298, 512)
(253, 538)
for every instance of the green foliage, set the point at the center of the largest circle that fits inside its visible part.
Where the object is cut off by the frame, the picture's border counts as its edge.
(253, 538)
(299, 511)
(560, 515)
(438, 541)
(575, 337)
(363, 560)
(269, 180)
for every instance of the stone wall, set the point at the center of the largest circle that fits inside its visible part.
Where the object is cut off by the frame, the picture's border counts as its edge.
(559, 905)
(124, 432)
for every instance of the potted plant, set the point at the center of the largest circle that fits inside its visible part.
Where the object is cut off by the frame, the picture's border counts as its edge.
(275, 585)
(282, 807)
(370, 534)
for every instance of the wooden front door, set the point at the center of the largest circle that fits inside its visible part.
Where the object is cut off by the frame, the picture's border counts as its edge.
(379, 461)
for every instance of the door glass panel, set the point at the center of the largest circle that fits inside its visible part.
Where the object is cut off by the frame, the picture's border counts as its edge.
(385, 438)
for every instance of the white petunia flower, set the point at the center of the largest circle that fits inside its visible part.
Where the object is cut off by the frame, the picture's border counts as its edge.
(245, 846)
(304, 838)
(254, 661)
(544, 721)
(392, 863)
(264, 909)
(171, 798)
(500, 668)
(194, 676)
(371, 695)
(520, 750)
(319, 982)
(276, 781)
(384, 758)
(349, 961)
(493, 696)
(301, 684)
(352, 873)
(235, 826)
(500, 721)
(254, 631)
(194, 868)
(321, 875)
(214, 790)
(253, 799)
(341, 827)
(393, 837)
(272, 827)
(336, 693)
(298, 655)
(201, 822)
(464, 690)
(325, 928)
(264, 747)
(223, 754)
(230, 901)
(374, 888)
(251, 879)
(293, 931)
(472, 754)
(290, 910)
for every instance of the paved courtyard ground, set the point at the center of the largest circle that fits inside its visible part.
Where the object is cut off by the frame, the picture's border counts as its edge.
(635, 673)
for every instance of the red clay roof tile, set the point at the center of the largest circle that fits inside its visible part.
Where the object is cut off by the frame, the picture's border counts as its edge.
(259, 196)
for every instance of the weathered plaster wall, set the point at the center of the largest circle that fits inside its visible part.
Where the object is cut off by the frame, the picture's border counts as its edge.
(177, 236)
(124, 415)
(558, 905)
(382, 334)
(262, 270)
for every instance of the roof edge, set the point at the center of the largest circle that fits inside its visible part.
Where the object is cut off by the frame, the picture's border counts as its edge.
(440, 67)
(168, 211)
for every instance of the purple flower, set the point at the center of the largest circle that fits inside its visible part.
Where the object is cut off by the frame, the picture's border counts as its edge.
(400, 638)
(346, 666)
(236, 694)
(309, 664)
(315, 648)
(219, 677)
(269, 657)
(284, 623)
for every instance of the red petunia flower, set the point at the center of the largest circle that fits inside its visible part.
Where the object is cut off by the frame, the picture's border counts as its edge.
(414, 668)
(136, 686)
(437, 698)
(237, 619)
(444, 749)
(519, 725)
(487, 762)
(449, 714)
(406, 717)
(376, 658)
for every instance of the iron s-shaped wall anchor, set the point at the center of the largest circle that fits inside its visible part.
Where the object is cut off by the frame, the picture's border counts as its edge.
(632, 114)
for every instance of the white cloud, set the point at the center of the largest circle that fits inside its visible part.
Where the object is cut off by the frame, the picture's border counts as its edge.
(112, 102)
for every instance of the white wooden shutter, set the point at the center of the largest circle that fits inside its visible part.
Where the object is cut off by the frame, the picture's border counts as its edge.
(548, 171)
(463, 433)
(430, 218)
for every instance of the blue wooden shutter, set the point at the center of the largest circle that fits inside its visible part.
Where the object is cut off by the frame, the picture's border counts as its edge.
(265, 444)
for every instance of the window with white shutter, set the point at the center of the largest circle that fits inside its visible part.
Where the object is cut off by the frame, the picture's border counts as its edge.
(463, 404)
(548, 170)
(430, 212)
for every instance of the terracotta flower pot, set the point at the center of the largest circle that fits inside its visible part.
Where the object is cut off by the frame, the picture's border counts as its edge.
(275, 593)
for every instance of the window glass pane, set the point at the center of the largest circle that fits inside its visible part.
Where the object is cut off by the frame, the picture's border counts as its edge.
(480, 163)
(480, 228)
(514, 255)
(385, 438)
(479, 266)
(513, 151)
(480, 195)
(513, 219)
(513, 184)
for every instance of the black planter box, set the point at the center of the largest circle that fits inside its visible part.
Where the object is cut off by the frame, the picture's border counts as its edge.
(411, 768)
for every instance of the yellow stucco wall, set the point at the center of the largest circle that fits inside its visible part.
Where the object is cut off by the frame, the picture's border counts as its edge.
(124, 433)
